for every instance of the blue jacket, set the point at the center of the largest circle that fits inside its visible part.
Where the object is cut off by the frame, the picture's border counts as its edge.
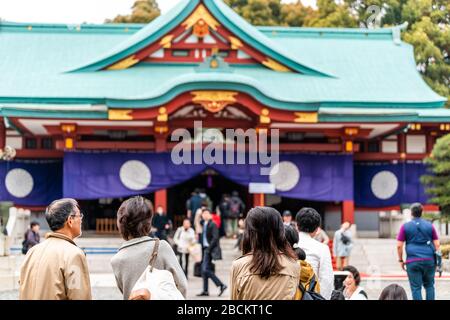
(419, 239)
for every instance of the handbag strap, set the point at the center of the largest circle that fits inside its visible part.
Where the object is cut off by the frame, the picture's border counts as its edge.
(154, 254)
(430, 241)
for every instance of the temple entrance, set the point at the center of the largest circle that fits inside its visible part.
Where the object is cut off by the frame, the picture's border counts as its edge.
(214, 184)
(100, 215)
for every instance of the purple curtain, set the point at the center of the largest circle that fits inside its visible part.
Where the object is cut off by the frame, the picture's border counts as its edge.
(116, 174)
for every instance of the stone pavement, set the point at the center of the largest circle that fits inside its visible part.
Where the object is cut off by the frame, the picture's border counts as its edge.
(376, 259)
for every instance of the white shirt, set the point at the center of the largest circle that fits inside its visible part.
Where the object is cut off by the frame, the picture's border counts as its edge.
(319, 257)
(357, 295)
(184, 239)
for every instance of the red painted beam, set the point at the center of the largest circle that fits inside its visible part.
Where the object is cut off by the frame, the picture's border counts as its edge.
(387, 156)
(110, 145)
(38, 154)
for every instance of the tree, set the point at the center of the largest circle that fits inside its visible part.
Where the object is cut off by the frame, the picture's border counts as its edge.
(295, 14)
(143, 11)
(331, 14)
(437, 183)
(258, 12)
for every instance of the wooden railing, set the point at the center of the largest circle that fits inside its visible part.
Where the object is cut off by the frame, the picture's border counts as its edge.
(106, 226)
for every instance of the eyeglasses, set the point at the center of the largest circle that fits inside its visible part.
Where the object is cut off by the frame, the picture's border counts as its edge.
(80, 215)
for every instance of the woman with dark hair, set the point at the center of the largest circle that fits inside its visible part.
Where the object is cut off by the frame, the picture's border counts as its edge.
(268, 269)
(393, 292)
(352, 290)
(134, 220)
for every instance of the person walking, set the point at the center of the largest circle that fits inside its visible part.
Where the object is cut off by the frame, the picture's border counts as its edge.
(237, 208)
(31, 237)
(194, 203)
(134, 220)
(184, 238)
(352, 290)
(223, 209)
(268, 268)
(317, 254)
(56, 269)
(422, 242)
(393, 292)
(161, 224)
(211, 251)
(342, 245)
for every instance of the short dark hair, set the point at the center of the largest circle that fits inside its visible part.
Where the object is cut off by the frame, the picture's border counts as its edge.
(134, 218)
(355, 274)
(308, 220)
(393, 292)
(416, 210)
(34, 223)
(59, 211)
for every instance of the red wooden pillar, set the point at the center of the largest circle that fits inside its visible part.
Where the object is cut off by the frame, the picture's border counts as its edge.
(348, 211)
(161, 195)
(258, 200)
(2, 134)
(161, 199)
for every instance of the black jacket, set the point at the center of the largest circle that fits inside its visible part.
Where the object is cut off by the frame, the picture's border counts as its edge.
(212, 236)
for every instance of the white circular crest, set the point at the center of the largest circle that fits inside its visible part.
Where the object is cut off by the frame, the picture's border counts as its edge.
(284, 175)
(135, 175)
(19, 183)
(384, 185)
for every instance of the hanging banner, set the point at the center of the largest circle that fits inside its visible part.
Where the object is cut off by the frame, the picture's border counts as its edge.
(115, 174)
(30, 182)
(382, 185)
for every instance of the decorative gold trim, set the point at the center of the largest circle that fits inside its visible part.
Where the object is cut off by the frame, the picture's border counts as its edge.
(264, 118)
(306, 117)
(271, 64)
(166, 42)
(235, 43)
(162, 117)
(119, 114)
(201, 13)
(124, 64)
(214, 101)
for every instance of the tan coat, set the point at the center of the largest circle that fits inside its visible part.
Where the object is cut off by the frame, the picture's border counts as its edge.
(246, 285)
(55, 269)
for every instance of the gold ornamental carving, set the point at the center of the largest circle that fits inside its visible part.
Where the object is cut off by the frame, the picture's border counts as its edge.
(201, 13)
(306, 117)
(119, 114)
(271, 64)
(214, 101)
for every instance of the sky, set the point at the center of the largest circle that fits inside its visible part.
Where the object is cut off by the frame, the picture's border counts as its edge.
(75, 11)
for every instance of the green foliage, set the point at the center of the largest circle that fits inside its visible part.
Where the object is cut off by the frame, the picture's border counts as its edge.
(437, 183)
(143, 11)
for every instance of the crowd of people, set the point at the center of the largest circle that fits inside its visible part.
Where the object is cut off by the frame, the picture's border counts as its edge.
(283, 258)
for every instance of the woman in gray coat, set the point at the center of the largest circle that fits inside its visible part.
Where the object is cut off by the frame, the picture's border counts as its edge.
(342, 245)
(134, 219)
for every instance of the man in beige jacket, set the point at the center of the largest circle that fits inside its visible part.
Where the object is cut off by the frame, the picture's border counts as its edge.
(56, 269)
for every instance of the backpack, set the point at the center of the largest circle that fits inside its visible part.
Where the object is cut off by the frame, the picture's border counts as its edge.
(308, 287)
(345, 240)
(235, 208)
(25, 243)
(159, 283)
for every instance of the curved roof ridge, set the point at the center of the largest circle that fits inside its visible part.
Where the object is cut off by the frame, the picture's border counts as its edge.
(231, 20)
(135, 42)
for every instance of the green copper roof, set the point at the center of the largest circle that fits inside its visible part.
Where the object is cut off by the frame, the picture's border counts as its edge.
(226, 16)
(370, 68)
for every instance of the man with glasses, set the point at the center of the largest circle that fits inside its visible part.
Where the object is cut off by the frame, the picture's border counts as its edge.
(56, 269)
